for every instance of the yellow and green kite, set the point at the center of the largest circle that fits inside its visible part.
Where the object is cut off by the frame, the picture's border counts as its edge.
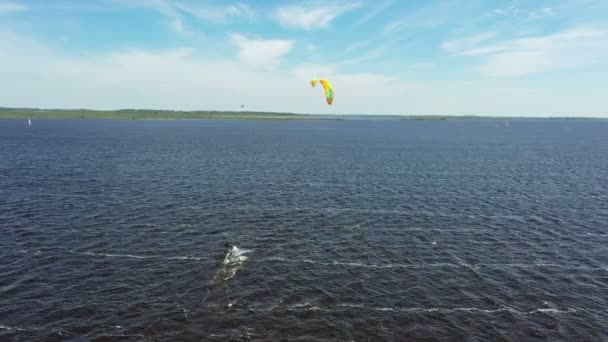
(329, 89)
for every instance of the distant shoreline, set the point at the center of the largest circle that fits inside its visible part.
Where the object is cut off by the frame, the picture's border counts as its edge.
(142, 114)
(150, 114)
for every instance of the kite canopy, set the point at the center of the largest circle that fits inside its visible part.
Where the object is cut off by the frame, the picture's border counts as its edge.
(329, 89)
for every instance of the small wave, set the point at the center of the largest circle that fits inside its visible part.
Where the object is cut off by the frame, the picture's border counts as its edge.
(111, 333)
(537, 265)
(6, 327)
(108, 255)
(132, 256)
(417, 309)
(465, 309)
(306, 306)
(186, 258)
(554, 311)
(596, 234)
(432, 265)
(371, 211)
(358, 264)
(295, 261)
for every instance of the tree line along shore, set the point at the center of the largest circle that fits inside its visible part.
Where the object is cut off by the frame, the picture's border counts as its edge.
(135, 114)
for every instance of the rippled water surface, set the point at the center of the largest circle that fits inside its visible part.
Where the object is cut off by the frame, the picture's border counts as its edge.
(341, 230)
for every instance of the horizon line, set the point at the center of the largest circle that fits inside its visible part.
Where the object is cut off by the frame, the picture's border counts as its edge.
(55, 109)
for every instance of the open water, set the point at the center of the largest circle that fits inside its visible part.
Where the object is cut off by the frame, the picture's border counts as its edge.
(342, 230)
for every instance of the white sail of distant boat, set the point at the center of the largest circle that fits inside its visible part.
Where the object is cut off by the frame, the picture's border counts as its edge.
(29, 122)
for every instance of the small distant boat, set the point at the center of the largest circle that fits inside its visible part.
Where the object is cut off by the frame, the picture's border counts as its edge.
(29, 122)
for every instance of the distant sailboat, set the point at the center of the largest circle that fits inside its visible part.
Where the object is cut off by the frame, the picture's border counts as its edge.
(29, 122)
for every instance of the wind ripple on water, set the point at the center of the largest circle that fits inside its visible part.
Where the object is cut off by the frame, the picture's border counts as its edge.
(117, 230)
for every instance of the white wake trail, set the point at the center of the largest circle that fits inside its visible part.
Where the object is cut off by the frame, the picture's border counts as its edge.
(433, 265)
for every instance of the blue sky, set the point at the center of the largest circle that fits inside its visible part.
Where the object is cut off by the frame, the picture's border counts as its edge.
(480, 57)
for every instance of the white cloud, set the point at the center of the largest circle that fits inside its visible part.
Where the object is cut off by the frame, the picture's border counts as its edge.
(467, 42)
(533, 13)
(208, 10)
(38, 75)
(176, 10)
(312, 17)
(179, 79)
(215, 13)
(261, 52)
(6, 7)
(576, 47)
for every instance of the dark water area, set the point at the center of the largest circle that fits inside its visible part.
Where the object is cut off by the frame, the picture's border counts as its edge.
(342, 230)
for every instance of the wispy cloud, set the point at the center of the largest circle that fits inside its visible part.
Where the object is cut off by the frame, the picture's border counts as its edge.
(178, 26)
(509, 10)
(176, 22)
(312, 17)
(6, 7)
(572, 48)
(216, 14)
(261, 52)
(180, 79)
(541, 13)
(370, 54)
(174, 10)
(429, 16)
(258, 71)
(357, 45)
(375, 12)
(421, 65)
(466, 43)
(525, 13)
(311, 47)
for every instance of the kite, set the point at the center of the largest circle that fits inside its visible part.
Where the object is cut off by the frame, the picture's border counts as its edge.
(329, 89)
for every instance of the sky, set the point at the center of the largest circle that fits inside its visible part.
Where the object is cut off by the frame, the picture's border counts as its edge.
(466, 57)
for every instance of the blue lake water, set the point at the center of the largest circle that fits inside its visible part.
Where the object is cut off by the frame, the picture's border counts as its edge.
(458, 230)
